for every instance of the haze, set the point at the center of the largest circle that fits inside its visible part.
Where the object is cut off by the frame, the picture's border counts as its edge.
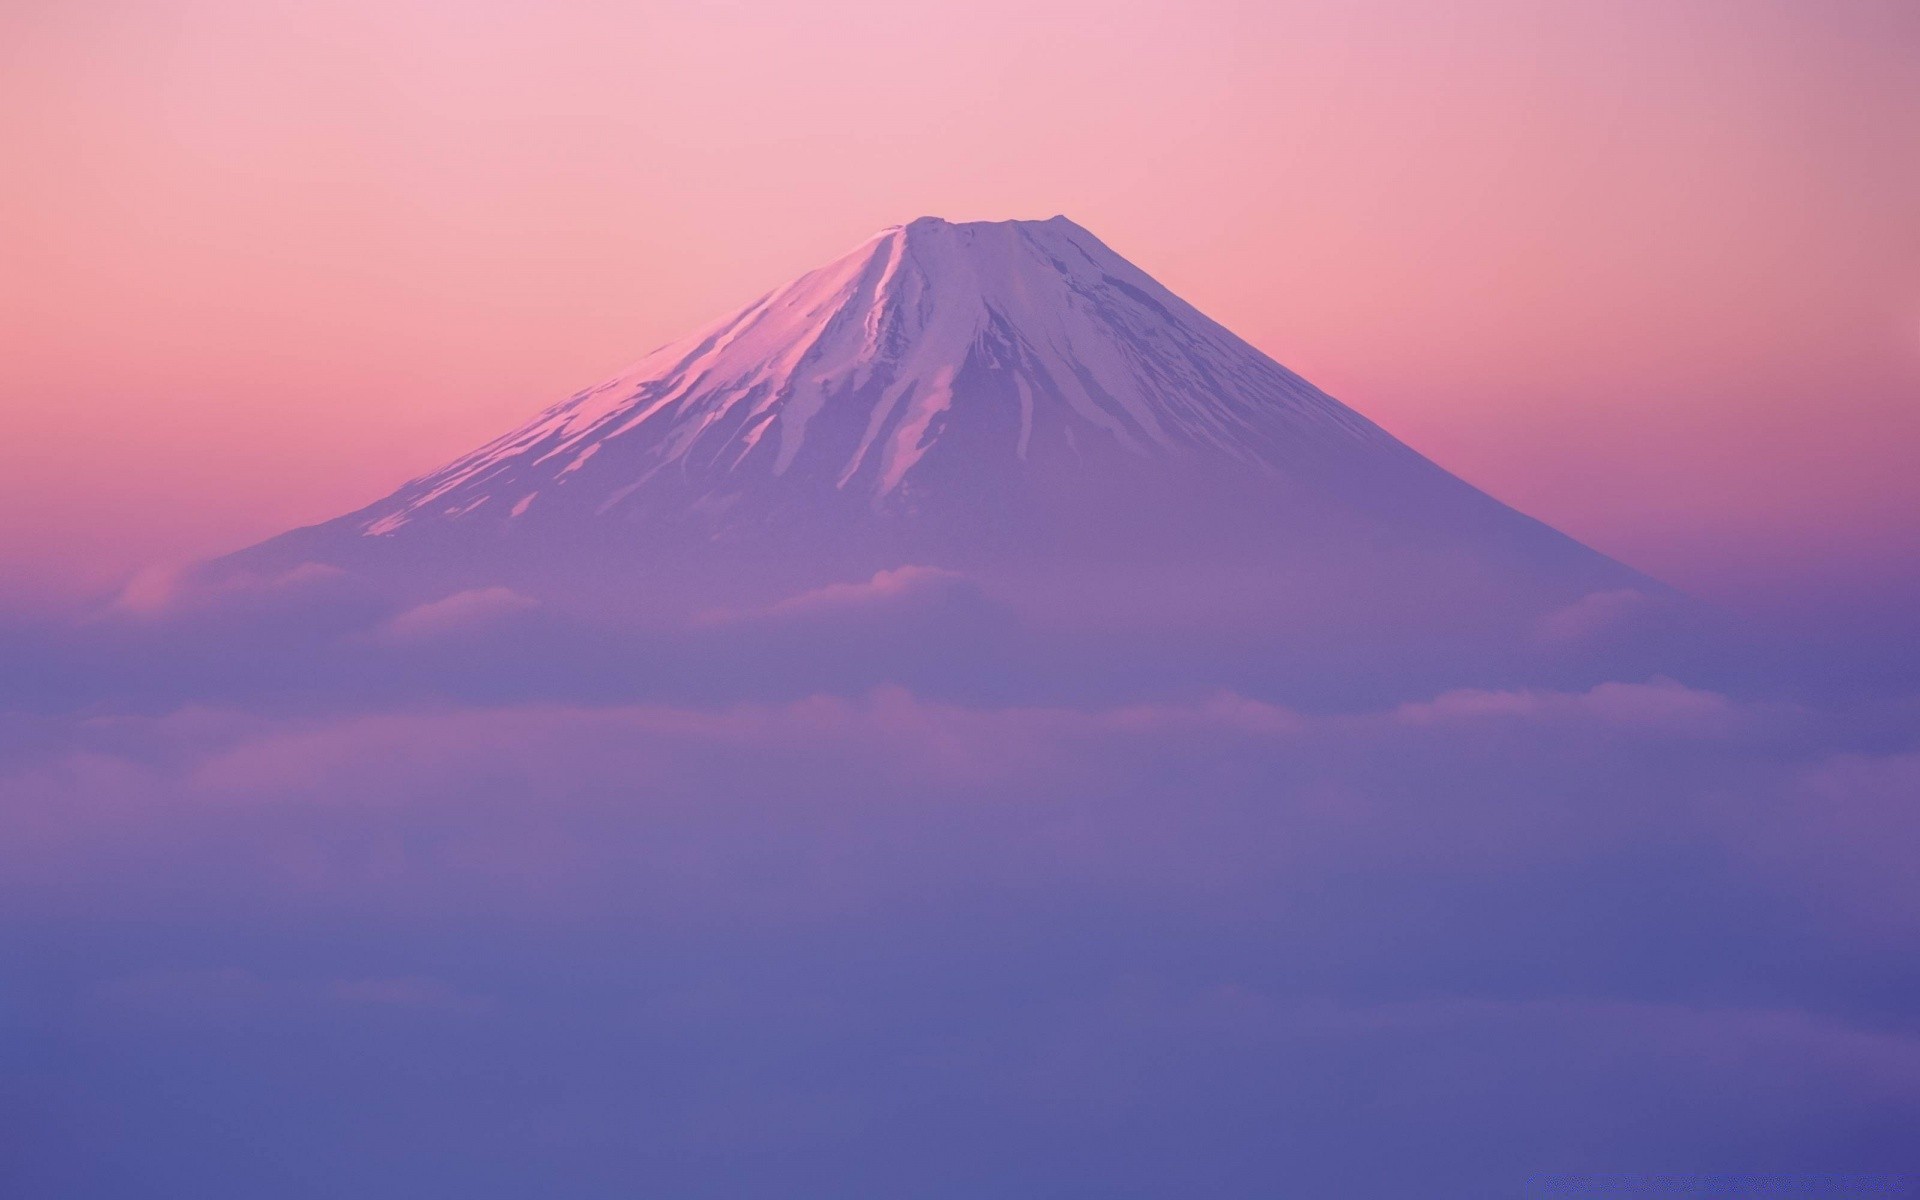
(1648, 271)
(969, 725)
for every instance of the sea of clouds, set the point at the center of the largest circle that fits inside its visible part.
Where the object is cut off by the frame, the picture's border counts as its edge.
(304, 896)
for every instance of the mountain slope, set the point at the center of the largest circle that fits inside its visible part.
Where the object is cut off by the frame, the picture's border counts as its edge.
(1011, 402)
(1016, 344)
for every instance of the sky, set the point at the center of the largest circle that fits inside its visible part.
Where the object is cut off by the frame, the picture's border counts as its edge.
(1645, 270)
(1480, 871)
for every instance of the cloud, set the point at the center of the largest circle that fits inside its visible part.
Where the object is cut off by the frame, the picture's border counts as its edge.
(1432, 948)
(890, 586)
(923, 627)
(166, 591)
(1661, 704)
(892, 589)
(1840, 831)
(1592, 616)
(461, 613)
(1202, 799)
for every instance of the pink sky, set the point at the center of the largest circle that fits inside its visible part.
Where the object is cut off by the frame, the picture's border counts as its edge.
(1647, 270)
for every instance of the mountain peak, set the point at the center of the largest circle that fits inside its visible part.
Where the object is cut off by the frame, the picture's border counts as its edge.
(1058, 220)
(1014, 345)
(998, 237)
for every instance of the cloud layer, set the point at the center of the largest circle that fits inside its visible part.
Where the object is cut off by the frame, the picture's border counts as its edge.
(881, 945)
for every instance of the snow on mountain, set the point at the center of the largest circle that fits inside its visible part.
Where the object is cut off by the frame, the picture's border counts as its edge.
(1015, 344)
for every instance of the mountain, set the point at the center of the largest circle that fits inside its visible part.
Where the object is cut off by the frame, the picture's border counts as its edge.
(933, 357)
(1009, 402)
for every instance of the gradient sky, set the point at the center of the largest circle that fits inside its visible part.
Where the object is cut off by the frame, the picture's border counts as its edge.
(1648, 270)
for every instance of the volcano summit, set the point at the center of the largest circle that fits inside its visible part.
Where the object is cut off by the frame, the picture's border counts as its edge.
(935, 353)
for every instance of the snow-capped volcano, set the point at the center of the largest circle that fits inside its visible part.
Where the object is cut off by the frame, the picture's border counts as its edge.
(1009, 345)
(1012, 402)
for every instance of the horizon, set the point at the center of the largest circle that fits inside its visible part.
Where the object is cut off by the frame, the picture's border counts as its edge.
(1374, 654)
